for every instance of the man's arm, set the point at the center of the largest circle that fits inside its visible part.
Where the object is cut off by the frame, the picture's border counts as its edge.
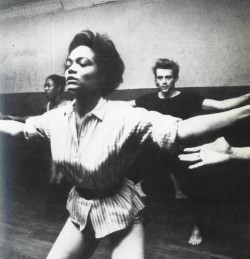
(217, 152)
(223, 105)
(201, 127)
(240, 153)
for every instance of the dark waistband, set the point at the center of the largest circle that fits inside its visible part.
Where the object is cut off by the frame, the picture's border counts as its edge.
(90, 194)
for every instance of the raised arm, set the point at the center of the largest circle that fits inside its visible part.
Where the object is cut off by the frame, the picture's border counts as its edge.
(223, 105)
(217, 152)
(204, 126)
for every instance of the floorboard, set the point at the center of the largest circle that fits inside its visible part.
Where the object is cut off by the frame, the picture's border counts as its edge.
(27, 231)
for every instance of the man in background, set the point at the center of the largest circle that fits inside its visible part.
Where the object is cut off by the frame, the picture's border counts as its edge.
(169, 101)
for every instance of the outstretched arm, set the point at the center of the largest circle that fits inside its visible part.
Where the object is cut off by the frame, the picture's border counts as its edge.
(223, 105)
(14, 118)
(204, 126)
(217, 152)
(13, 128)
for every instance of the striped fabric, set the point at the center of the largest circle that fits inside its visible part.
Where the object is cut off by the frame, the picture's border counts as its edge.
(110, 137)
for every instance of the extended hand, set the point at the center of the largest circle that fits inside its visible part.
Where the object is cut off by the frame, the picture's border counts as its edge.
(216, 152)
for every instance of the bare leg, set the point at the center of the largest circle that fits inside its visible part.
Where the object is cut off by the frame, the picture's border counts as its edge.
(73, 244)
(178, 192)
(129, 243)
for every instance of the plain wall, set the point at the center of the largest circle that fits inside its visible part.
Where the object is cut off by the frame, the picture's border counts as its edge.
(209, 39)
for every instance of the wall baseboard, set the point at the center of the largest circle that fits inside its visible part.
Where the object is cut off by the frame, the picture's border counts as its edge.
(22, 104)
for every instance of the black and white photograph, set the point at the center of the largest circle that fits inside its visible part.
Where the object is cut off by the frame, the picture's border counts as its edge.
(124, 129)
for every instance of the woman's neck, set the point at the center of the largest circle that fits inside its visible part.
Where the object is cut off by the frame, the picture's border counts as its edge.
(86, 103)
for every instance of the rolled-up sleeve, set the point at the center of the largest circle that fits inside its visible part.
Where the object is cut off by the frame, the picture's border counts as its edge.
(164, 132)
(161, 129)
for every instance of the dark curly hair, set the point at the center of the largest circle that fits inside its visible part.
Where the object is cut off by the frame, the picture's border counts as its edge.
(107, 58)
(58, 81)
(165, 63)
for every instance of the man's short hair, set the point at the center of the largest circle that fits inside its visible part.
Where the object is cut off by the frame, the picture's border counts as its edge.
(165, 63)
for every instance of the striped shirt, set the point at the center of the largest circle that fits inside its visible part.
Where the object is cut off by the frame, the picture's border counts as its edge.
(99, 157)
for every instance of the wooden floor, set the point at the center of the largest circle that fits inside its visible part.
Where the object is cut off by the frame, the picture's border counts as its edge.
(28, 231)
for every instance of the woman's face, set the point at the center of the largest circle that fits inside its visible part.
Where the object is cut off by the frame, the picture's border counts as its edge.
(82, 71)
(50, 89)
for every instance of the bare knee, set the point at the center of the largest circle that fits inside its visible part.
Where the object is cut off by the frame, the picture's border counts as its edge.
(129, 243)
(73, 244)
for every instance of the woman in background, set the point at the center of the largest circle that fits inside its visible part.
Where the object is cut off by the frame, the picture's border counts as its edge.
(54, 87)
(59, 186)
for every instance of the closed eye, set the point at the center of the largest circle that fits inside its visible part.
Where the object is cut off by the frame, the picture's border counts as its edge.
(83, 62)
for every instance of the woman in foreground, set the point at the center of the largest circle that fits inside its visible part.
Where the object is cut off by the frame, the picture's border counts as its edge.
(94, 141)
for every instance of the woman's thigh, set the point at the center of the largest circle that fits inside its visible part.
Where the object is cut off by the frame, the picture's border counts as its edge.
(129, 243)
(73, 244)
